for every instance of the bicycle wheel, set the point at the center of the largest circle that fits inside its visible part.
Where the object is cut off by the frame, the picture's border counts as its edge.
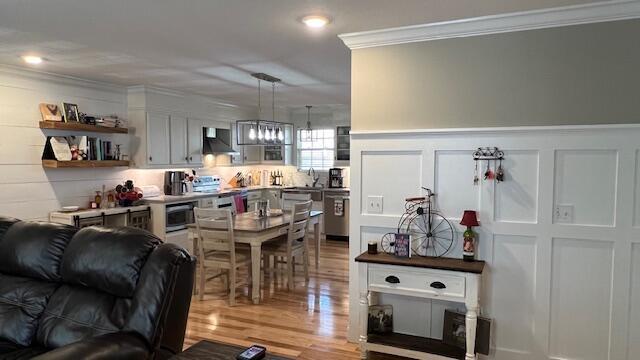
(388, 243)
(431, 234)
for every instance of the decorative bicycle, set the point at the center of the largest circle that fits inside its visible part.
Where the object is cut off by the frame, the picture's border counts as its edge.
(431, 233)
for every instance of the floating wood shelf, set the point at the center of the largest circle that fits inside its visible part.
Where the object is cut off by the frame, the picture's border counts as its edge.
(75, 126)
(55, 164)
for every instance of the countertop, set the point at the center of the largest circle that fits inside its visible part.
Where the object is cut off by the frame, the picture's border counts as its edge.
(168, 199)
(201, 195)
(86, 213)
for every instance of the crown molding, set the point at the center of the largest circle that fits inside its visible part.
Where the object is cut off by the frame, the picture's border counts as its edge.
(492, 130)
(496, 24)
(33, 74)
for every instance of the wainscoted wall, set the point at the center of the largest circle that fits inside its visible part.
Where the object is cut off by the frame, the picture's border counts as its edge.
(555, 290)
(28, 190)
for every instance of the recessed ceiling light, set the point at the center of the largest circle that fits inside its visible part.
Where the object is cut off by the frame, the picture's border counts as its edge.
(32, 59)
(315, 21)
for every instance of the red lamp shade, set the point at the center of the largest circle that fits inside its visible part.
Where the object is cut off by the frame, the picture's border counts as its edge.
(469, 218)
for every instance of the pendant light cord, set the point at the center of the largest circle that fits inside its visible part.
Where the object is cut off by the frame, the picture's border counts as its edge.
(273, 101)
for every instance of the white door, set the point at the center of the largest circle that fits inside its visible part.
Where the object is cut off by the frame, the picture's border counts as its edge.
(194, 142)
(157, 139)
(179, 140)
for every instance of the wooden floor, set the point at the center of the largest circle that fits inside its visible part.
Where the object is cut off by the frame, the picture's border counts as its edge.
(307, 323)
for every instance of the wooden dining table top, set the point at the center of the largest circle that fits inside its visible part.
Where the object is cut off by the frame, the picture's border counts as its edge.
(248, 222)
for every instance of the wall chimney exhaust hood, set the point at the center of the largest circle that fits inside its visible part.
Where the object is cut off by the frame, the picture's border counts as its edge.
(217, 141)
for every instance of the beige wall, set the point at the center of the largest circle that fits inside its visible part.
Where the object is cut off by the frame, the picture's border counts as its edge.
(587, 74)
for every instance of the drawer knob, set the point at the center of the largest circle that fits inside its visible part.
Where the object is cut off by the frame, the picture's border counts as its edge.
(438, 285)
(392, 279)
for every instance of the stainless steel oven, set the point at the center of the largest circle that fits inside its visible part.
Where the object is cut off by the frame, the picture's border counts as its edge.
(179, 216)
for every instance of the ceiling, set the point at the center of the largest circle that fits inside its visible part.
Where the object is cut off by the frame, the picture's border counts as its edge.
(210, 47)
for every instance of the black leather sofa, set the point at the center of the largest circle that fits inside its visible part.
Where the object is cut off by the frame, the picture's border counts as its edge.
(93, 293)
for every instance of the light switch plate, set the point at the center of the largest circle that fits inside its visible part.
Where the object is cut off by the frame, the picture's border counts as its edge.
(374, 204)
(563, 213)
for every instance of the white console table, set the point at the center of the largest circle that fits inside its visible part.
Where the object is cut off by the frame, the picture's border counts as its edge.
(422, 277)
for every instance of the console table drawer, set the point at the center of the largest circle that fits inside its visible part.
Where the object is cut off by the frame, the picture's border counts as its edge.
(428, 283)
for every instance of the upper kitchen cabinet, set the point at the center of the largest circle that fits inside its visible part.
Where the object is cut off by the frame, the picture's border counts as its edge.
(157, 136)
(343, 145)
(178, 140)
(194, 141)
(186, 140)
(167, 126)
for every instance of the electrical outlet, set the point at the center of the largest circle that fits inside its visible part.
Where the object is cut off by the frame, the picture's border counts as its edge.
(374, 204)
(563, 213)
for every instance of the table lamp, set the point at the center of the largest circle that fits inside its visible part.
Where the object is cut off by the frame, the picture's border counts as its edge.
(469, 219)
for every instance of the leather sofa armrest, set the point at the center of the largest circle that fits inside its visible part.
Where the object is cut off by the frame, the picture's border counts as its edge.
(120, 345)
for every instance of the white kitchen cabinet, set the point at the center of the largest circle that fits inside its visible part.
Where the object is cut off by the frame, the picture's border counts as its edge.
(252, 154)
(237, 159)
(178, 140)
(194, 141)
(157, 125)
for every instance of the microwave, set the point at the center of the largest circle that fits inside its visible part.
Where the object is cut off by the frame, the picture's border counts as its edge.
(179, 216)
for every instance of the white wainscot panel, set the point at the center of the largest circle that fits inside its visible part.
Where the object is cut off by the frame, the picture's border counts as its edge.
(580, 299)
(454, 187)
(512, 293)
(636, 198)
(517, 197)
(634, 315)
(586, 181)
(394, 175)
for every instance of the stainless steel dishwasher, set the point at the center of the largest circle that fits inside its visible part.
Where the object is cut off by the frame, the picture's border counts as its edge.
(336, 215)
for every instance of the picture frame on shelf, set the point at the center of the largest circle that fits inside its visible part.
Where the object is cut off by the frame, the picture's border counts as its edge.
(380, 319)
(70, 112)
(50, 112)
(402, 245)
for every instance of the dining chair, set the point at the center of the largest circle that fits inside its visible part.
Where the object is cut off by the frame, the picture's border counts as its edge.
(292, 244)
(217, 249)
(289, 198)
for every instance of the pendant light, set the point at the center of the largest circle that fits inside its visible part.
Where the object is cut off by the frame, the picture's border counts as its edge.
(306, 134)
(252, 131)
(280, 135)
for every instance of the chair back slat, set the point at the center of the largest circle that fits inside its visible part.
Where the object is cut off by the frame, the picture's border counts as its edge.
(215, 232)
(288, 199)
(299, 220)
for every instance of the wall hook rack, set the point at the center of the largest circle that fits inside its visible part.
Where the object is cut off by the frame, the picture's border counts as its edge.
(488, 154)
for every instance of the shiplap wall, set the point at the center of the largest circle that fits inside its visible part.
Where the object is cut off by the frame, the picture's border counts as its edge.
(28, 191)
(554, 290)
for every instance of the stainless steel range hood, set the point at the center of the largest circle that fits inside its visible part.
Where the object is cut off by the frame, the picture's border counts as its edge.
(217, 141)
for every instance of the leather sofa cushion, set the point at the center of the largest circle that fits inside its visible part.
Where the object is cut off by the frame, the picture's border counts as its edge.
(76, 313)
(34, 249)
(22, 302)
(5, 223)
(11, 351)
(108, 259)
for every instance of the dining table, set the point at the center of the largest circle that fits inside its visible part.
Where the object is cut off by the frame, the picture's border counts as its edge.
(255, 231)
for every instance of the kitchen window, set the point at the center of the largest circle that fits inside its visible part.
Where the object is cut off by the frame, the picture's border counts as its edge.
(318, 152)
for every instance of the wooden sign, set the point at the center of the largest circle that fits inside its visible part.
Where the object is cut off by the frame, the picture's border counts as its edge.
(50, 112)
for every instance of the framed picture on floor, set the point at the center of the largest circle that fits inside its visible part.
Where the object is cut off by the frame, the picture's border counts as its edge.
(454, 331)
(380, 319)
(70, 112)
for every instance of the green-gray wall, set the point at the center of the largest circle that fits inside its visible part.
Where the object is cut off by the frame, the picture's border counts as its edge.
(586, 74)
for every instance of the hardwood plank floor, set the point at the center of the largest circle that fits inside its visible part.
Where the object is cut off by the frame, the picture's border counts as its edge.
(309, 322)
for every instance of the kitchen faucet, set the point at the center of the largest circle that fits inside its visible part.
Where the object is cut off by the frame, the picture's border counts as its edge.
(313, 177)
